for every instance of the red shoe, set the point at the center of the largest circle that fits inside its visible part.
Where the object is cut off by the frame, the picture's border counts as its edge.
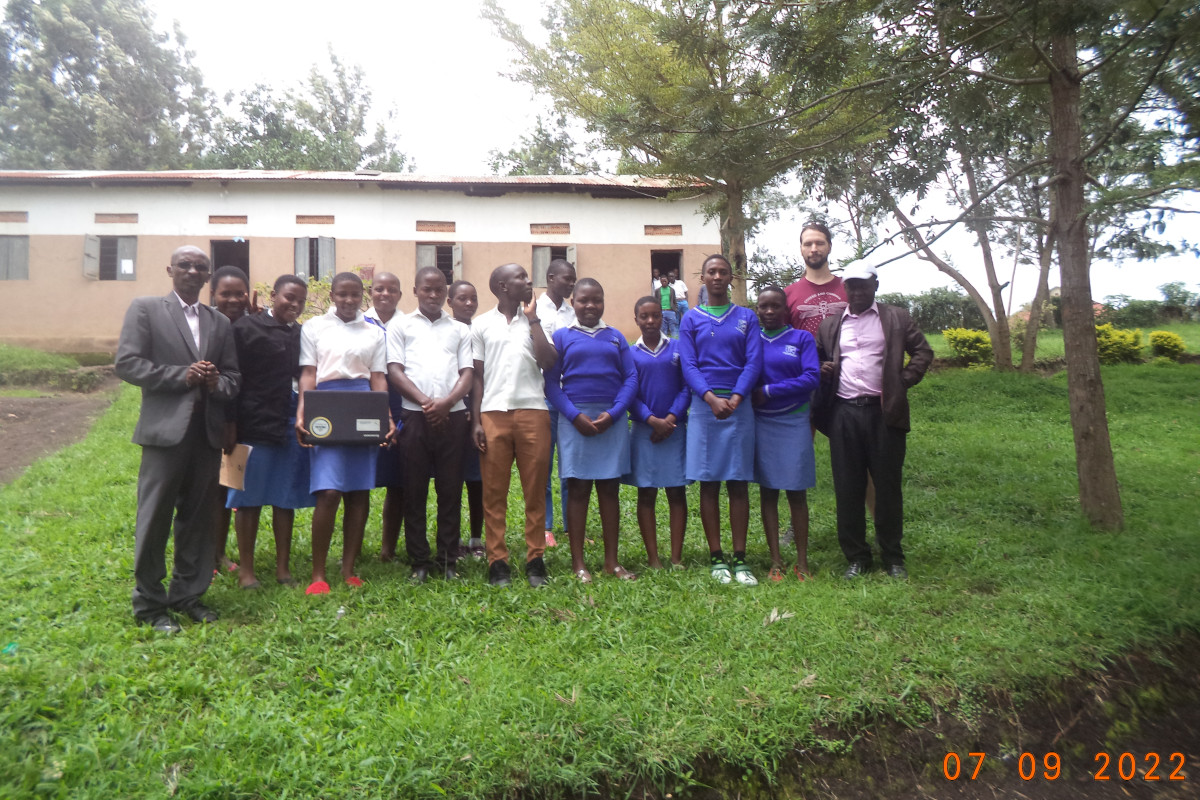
(550, 540)
(354, 581)
(800, 574)
(317, 587)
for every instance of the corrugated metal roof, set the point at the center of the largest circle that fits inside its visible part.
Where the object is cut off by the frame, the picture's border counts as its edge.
(630, 185)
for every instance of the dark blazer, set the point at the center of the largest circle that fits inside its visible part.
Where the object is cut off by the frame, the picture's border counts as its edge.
(900, 335)
(154, 352)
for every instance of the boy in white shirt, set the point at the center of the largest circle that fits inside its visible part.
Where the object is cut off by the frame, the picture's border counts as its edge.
(430, 364)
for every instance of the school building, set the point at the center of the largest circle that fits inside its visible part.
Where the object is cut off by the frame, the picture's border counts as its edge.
(77, 246)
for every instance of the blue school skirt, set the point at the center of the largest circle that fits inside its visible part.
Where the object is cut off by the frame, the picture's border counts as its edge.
(595, 458)
(345, 468)
(783, 452)
(656, 465)
(720, 449)
(276, 475)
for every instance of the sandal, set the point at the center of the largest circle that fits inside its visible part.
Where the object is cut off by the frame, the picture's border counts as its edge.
(317, 587)
(623, 574)
(743, 575)
(720, 572)
(354, 582)
(800, 574)
(776, 574)
(583, 575)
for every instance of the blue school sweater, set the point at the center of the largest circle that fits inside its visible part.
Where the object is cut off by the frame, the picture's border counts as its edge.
(660, 387)
(721, 354)
(592, 367)
(791, 371)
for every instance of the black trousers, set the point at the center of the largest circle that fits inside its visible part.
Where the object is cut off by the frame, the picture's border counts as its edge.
(435, 453)
(860, 443)
(177, 497)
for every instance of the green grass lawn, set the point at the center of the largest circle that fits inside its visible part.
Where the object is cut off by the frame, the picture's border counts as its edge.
(1050, 342)
(394, 690)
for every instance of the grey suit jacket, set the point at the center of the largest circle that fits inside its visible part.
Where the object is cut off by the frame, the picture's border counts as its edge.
(154, 352)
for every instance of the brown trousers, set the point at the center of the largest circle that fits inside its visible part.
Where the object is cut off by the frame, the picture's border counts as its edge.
(522, 436)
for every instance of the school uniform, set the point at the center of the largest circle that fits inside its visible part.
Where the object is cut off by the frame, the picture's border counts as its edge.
(720, 352)
(277, 471)
(661, 390)
(783, 447)
(389, 461)
(594, 374)
(681, 303)
(344, 355)
(517, 426)
(433, 353)
(552, 319)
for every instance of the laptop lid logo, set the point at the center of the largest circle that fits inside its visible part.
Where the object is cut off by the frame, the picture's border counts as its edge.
(320, 427)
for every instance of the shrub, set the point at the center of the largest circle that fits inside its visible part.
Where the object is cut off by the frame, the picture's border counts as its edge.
(1167, 344)
(1123, 312)
(970, 347)
(1117, 346)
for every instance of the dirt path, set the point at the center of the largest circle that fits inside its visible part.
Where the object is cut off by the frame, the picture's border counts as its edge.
(33, 427)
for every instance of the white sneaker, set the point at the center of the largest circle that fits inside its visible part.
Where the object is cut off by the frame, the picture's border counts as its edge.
(720, 573)
(744, 576)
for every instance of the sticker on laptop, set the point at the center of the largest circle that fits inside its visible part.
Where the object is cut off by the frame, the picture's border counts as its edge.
(320, 427)
(368, 425)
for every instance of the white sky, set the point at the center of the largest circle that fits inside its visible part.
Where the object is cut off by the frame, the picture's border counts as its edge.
(439, 65)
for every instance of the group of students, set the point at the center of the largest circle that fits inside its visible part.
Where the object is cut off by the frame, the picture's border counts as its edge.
(725, 401)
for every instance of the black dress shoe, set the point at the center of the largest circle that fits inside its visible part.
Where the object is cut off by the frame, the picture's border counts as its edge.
(450, 572)
(419, 575)
(535, 572)
(856, 570)
(499, 574)
(198, 612)
(897, 571)
(161, 623)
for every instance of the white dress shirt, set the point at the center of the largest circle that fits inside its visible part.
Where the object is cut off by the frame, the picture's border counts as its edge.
(554, 317)
(341, 350)
(511, 378)
(432, 353)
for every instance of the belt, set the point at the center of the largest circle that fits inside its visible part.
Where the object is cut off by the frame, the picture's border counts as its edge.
(861, 400)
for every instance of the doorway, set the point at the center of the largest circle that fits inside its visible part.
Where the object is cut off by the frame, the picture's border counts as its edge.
(231, 253)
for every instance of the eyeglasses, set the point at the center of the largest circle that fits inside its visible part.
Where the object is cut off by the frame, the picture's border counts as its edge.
(191, 266)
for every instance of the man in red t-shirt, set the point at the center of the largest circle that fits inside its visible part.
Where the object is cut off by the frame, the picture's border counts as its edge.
(819, 294)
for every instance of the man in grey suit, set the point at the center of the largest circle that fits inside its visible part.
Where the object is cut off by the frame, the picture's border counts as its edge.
(181, 353)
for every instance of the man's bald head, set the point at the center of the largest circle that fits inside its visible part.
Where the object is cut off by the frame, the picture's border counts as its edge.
(188, 250)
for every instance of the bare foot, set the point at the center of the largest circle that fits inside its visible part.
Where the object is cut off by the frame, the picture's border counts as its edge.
(620, 572)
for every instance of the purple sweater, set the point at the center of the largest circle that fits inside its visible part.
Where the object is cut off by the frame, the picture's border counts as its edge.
(592, 367)
(791, 371)
(660, 390)
(721, 354)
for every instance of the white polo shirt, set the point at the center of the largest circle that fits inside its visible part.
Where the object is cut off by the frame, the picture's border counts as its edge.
(511, 378)
(341, 350)
(432, 353)
(553, 317)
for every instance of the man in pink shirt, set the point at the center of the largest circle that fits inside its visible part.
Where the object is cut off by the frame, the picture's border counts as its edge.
(820, 293)
(862, 406)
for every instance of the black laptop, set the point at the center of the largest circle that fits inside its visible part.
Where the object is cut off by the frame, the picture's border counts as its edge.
(333, 417)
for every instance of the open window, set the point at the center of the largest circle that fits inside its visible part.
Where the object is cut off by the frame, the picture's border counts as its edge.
(316, 257)
(543, 255)
(110, 258)
(445, 256)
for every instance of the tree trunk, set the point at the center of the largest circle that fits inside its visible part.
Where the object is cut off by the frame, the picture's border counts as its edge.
(733, 238)
(1037, 307)
(998, 329)
(1099, 497)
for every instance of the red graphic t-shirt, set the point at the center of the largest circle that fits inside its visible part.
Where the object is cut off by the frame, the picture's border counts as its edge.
(809, 303)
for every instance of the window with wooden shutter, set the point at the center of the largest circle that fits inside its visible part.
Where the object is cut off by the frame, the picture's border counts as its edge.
(14, 258)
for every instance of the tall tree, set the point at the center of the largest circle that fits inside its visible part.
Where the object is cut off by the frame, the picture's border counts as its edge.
(547, 150)
(89, 84)
(681, 90)
(320, 125)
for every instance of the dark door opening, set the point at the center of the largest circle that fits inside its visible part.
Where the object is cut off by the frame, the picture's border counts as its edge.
(663, 261)
(231, 253)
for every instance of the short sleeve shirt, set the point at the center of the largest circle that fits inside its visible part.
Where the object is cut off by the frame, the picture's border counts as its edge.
(342, 350)
(432, 352)
(511, 378)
